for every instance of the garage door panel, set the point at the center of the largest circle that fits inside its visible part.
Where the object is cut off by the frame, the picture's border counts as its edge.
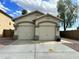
(26, 32)
(46, 32)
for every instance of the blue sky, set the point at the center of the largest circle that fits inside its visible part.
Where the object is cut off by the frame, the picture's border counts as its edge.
(10, 8)
(14, 7)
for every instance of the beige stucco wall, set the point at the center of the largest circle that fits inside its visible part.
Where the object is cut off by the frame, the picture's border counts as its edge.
(5, 23)
(27, 18)
(48, 18)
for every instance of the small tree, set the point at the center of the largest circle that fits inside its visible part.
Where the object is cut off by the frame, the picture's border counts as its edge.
(68, 12)
(24, 12)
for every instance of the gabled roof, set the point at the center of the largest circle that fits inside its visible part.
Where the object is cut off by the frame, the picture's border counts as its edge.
(28, 14)
(5, 14)
(57, 18)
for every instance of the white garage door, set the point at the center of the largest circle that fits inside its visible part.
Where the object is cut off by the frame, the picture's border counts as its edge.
(47, 32)
(26, 32)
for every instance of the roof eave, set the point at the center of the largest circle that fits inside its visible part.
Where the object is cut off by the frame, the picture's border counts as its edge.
(6, 14)
(28, 14)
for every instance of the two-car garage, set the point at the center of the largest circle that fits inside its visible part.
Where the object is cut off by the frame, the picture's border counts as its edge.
(46, 31)
(40, 28)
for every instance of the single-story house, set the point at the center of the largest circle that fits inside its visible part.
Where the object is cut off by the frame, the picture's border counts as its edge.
(6, 22)
(37, 26)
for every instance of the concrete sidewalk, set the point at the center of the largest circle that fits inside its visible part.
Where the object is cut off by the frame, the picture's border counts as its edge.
(22, 49)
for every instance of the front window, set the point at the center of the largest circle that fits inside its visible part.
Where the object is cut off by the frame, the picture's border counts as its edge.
(9, 23)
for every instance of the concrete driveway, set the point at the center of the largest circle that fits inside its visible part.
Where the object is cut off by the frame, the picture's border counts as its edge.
(22, 49)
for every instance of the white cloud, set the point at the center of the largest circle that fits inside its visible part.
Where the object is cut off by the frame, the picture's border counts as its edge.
(16, 14)
(12, 15)
(5, 9)
(2, 7)
(44, 6)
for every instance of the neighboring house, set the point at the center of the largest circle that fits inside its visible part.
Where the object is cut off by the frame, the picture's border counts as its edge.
(6, 22)
(37, 26)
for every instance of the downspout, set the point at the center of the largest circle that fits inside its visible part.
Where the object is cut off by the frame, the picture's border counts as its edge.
(34, 29)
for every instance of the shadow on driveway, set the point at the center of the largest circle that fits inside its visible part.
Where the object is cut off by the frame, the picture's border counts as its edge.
(6, 41)
(74, 44)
